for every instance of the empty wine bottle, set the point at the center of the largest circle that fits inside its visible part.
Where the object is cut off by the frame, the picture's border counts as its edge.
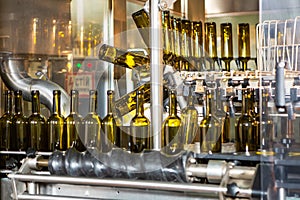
(92, 123)
(140, 138)
(171, 136)
(210, 132)
(142, 21)
(20, 125)
(109, 126)
(246, 136)
(226, 44)
(197, 45)
(73, 134)
(37, 125)
(186, 47)
(167, 41)
(244, 44)
(211, 43)
(55, 124)
(177, 42)
(6, 122)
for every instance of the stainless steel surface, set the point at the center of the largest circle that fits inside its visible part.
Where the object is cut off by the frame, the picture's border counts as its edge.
(15, 78)
(216, 169)
(156, 61)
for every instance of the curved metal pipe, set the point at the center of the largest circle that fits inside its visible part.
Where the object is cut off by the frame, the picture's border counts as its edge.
(15, 78)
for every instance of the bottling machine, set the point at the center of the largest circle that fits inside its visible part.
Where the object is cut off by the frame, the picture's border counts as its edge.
(54, 45)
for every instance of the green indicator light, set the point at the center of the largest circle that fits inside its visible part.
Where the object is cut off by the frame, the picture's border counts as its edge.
(78, 65)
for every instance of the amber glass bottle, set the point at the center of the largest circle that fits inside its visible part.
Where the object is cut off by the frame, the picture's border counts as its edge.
(171, 135)
(140, 138)
(244, 44)
(226, 44)
(55, 124)
(92, 123)
(37, 125)
(246, 135)
(210, 130)
(109, 126)
(72, 134)
(20, 125)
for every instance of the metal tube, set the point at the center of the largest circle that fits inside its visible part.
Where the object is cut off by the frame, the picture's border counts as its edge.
(156, 73)
(197, 188)
(47, 197)
(242, 172)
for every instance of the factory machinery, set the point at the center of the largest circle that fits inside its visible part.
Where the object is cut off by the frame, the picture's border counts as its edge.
(186, 174)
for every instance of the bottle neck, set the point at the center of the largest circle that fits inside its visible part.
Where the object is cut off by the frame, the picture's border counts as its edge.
(173, 105)
(246, 103)
(56, 104)
(140, 104)
(8, 103)
(74, 103)
(35, 103)
(93, 103)
(208, 103)
(18, 104)
(110, 100)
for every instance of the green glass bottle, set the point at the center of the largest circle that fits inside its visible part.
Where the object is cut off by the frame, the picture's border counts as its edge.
(92, 123)
(109, 126)
(210, 132)
(142, 21)
(189, 120)
(228, 134)
(226, 44)
(197, 45)
(167, 41)
(140, 138)
(246, 136)
(177, 43)
(20, 125)
(186, 44)
(72, 134)
(37, 125)
(55, 124)
(6, 122)
(211, 43)
(171, 135)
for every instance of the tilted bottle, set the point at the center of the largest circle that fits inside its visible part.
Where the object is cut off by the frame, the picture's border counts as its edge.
(171, 135)
(140, 137)
(244, 44)
(37, 125)
(73, 134)
(189, 121)
(109, 126)
(210, 132)
(55, 124)
(246, 136)
(92, 123)
(142, 21)
(6, 122)
(20, 125)
(226, 44)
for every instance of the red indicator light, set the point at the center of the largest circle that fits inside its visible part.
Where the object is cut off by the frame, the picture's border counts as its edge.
(89, 65)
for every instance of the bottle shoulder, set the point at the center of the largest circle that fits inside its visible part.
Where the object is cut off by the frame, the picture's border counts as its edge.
(92, 117)
(56, 118)
(140, 121)
(19, 118)
(36, 117)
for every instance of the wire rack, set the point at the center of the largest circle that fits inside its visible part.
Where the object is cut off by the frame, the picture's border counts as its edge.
(278, 41)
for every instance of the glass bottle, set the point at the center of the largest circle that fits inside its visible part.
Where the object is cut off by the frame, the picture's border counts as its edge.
(142, 21)
(92, 123)
(211, 43)
(123, 58)
(226, 44)
(55, 124)
(177, 42)
(140, 138)
(186, 48)
(246, 136)
(197, 47)
(167, 42)
(171, 135)
(266, 124)
(189, 119)
(20, 125)
(109, 126)
(6, 122)
(210, 132)
(72, 134)
(37, 125)
(244, 44)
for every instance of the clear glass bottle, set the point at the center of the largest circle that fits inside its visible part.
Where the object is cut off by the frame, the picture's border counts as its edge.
(140, 138)
(189, 120)
(92, 123)
(226, 44)
(244, 44)
(20, 125)
(171, 135)
(6, 122)
(55, 124)
(37, 125)
(110, 126)
(210, 130)
(73, 134)
(246, 131)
